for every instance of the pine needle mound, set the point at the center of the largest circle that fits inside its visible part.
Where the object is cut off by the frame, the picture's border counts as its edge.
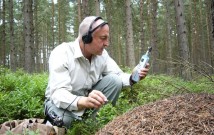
(191, 114)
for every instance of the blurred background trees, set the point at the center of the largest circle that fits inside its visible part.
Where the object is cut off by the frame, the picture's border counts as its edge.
(180, 32)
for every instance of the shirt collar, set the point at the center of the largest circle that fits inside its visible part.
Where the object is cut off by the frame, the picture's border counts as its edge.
(77, 50)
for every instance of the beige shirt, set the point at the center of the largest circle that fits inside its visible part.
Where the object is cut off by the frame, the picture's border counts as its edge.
(71, 75)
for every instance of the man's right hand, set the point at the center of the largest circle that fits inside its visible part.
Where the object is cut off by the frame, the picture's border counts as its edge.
(95, 99)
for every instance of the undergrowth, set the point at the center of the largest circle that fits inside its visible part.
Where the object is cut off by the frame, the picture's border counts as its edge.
(22, 96)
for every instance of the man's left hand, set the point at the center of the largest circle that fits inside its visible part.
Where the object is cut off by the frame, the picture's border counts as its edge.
(143, 73)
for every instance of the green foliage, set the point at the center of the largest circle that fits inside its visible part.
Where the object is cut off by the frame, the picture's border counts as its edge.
(85, 127)
(22, 96)
(107, 113)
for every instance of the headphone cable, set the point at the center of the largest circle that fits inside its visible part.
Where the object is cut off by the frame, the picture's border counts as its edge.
(68, 106)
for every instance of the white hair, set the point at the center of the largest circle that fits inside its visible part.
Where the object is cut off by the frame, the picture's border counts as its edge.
(85, 24)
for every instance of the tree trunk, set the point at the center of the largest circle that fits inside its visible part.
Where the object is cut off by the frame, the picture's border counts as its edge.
(130, 58)
(85, 8)
(12, 46)
(119, 47)
(28, 36)
(37, 49)
(155, 53)
(79, 12)
(20, 40)
(45, 50)
(65, 4)
(208, 32)
(59, 21)
(108, 5)
(169, 44)
(97, 7)
(212, 37)
(53, 25)
(196, 50)
(3, 49)
(142, 22)
(182, 39)
(203, 45)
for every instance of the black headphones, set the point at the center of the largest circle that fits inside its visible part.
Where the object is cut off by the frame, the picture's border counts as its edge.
(87, 38)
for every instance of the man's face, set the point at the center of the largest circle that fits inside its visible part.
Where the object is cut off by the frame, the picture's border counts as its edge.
(100, 40)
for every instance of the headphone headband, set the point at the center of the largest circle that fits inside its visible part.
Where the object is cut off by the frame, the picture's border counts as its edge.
(102, 24)
(90, 27)
(87, 38)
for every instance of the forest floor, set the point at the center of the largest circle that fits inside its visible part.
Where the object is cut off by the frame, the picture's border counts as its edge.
(191, 114)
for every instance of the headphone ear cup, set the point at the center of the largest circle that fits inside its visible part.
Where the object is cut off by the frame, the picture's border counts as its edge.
(87, 38)
(84, 38)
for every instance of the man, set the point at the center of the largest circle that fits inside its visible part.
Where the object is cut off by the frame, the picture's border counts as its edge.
(82, 75)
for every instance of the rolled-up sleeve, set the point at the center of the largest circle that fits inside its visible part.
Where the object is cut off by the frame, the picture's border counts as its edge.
(112, 67)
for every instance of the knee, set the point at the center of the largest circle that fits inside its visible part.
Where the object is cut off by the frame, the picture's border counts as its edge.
(116, 81)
